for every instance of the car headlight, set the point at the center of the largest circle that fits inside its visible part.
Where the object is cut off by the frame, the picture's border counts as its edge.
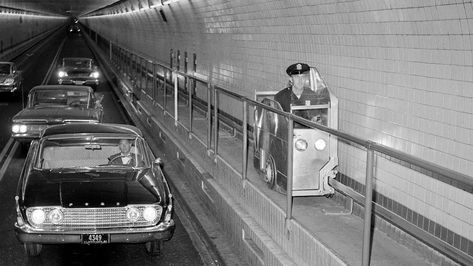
(9, 81)
(56, 216)
(150, 214)
(38, 216)
(62, 74)
(132, 214)
(17, 128)
(95, 74)
(320, 144)
(301, 145)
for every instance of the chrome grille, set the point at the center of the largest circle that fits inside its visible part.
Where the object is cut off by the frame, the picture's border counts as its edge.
(78, 73)
(36, 128)
(83, 219)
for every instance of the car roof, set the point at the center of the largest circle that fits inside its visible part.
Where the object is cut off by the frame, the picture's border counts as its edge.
(84, 128)
(61, 87)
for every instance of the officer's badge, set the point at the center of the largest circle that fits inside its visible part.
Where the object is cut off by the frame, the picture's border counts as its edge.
(299, 67)
(307, 102)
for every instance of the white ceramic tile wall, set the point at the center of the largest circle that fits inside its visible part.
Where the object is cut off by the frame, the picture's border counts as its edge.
(402, 71)
(15, 30)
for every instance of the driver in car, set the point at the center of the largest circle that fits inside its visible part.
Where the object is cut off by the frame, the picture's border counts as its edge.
(125, 156)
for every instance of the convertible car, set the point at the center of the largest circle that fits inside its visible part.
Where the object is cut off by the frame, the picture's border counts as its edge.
(78, 71)
(55, 104)
(10, 78)
(73, 190)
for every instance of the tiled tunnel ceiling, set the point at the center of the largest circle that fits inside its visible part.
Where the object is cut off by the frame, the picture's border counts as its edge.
(58, 7)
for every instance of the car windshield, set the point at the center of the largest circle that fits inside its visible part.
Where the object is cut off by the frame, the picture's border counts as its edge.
(62, 98)
(77, 63)
(90, 152)
(5, 69)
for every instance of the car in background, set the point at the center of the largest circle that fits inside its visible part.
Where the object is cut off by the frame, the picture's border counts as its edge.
(70, 191)
(78, 71)
(74, 28)
(10, 78)
(55, 104)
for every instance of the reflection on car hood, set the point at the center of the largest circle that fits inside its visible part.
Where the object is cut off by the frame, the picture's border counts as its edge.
(55, 114)
(86, 189)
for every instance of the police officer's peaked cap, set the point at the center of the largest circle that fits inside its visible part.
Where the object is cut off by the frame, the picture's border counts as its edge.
(297, 68)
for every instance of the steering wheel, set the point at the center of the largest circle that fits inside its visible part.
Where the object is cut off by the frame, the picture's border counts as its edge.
(74, 103)
(115, 158)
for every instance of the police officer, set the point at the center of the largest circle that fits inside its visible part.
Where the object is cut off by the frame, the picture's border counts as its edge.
(299, 91)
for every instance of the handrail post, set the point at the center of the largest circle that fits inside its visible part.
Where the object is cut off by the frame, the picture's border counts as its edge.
(176, 112)
(245, 140)
(165, 85)
(209, 116)
(110, 50)
(215, 122)
(290, 128)
(155, 82)
(368, 206)
(191, 117)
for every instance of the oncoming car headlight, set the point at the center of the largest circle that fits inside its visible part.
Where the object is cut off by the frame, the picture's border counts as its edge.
(62, 74)
(55, 216)
(18, 128)
(132, 214)
(150, 214)
(320, 144)
(38, 216)
(301, 144)
(95, 74)
(9, 81)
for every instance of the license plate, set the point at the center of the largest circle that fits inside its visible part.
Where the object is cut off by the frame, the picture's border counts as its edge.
(95, 239)
(79, 82)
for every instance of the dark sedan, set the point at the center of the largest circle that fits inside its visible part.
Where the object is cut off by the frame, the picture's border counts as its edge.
(10, 78)
(55, 104)
(77, 186)
(78, 71)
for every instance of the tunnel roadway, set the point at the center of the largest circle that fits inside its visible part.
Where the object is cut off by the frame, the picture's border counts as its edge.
(36, 64)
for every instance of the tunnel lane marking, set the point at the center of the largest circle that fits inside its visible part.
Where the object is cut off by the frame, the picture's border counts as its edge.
(8, 160)
(6, 148)
(48, 75)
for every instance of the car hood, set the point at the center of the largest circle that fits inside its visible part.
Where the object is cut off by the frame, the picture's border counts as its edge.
(55, 115)
(90, 189)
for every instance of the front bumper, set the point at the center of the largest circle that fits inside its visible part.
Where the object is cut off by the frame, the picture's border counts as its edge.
(163, 231)
(25, 137)
(8, 88)
(78, 81)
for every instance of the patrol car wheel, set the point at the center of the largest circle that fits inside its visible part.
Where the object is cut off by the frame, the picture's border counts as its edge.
(270, 172)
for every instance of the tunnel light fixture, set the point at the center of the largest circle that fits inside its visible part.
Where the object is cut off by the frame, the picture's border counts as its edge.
(163, 3)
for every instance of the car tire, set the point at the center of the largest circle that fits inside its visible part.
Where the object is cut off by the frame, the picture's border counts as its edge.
(270, 172)
(153, 248)
(32, 249)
